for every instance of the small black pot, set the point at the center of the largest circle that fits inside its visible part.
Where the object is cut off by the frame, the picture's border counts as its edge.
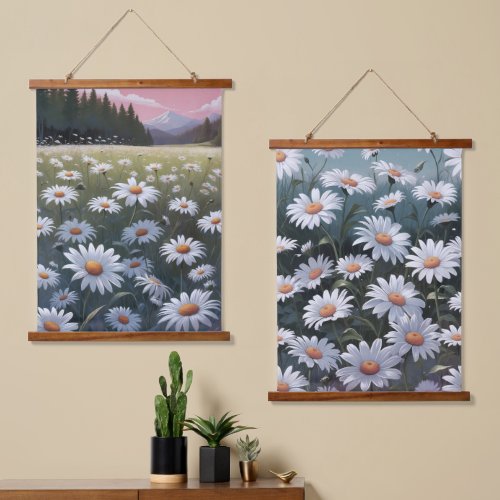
(168, 459)
(215, 465)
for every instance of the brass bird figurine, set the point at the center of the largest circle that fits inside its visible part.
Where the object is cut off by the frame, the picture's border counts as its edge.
(286, 477)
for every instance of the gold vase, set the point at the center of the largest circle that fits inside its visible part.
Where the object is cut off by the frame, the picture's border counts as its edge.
(249, 471)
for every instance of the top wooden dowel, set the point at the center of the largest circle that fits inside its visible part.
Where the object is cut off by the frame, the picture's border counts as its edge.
(187, 83)
(369, 143)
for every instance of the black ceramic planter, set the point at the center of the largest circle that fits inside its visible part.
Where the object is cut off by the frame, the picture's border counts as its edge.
(168, 459)
(215, 466)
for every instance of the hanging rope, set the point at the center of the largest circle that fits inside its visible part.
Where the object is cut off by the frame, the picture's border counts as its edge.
(72, 73)
(310, 135)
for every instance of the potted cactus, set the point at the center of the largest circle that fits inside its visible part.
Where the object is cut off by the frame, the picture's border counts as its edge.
(248, 451)
(214, 458)
(169, 446)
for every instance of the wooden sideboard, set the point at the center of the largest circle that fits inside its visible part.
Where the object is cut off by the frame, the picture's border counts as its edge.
(141, 489)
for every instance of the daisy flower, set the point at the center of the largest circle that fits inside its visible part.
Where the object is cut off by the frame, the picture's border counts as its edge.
(288, 162)
(394, 173)
(39, 174)
(290, 381)
(174, 169)
(52, 320)
(133, 173)
(209, 284)
(351, 183)
(96, 267)
(286, 286)
(311, 274)
(427, 150)
(75, 231)
(69, 175)
(183, 250)
(46, 277)
(414, 334)
(455, 303)
(201, 272)
(455, 380)
(168, 178)
(44, 226)
(433, 261)
(442, 192)
(122, 319)
(206, 192)
(153, 287)
(369, 365)
(327, 307)
(381, 235)
(184, 206)
(394, 297)
(388, 201)
(124, 162)
(104, 204)
(445, 218)
(310, 212)
(63, 298)
(177, 188)
(134, 192)
(217, 172)
(153, 167)
(39, 160)
(427, 386)
(60, 195)
(368, 154)
(284, 336)
(191, 167)
(306, 247)
(190, 312)
(143, 231)
(89, 160)
(66, 158)
(455, 245)
(181, 158)
(101, 168)
(212, 222)
(312, 351)
(452, 337)
(353, 266)
(136, 266)
(455, 161)
(283, 244)
(150, 178)
(327, 388)
(329, 153)
(56, 163)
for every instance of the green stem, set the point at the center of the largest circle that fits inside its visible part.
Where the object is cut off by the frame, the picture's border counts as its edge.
(437, 165)
(133, 213)
(437, 303)
(331, 241)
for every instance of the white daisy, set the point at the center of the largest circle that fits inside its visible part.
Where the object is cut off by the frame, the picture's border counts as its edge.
(122, 319)
(455, 245)
(177, 188)
(63, 298)
(283, 244)
(153, 167)
(39, 174)
(329, 153)
(445, 218)
(56, 163)
(153, 287)
(290, 381)
(66, 158)
(174, 169)
(312, 351)
(351, 183)
(414, 334)
(286, 286)
(104, 204)
(96, 267)
(168, 178)
(427, 150)
(52, 320)
(136, 266)
(181, 158)
(150, 178)
(184, 206)
(368, 154)
(310, 212)
(205, 192)
(212, 222)
(369, 365)
(44, 226)
(46, 277)
(394, 173)
(39, 160)
(75, 231)
(455, 303)
(394, 297)
(353, 266)
(133, 173)
(455, 380)
(125, 162)
(141, 232)
(217, 172)
(89, 160)
(60, 195)
(381, 235)
(284, 336)
(201, 272)
(455, 161)
(327, 388)
(433, 261)
(442, 192)
(306, 247)
(183, 250)
(209, 284)
(134, 192)
(69, 175)
(327, 307)
(101, 168)
(191, 167)
(452, 337)
(427, 386)
(190, 312)
(388, 201)
(288, 162)
(311, 274)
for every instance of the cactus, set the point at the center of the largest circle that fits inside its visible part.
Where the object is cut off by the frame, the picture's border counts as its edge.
(248, 450)
(170, 408)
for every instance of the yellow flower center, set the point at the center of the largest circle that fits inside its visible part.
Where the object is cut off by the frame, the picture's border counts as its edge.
(184, 205)
(286, 288)
(105, 204)
(314, 353)
(432, 262)
(283, 387)
(314, 208)
(394, 173)
(59, 194)
(369, 367)
(349, 182)
(142, 231)
(200, 272)
(93, 267)
(215, 220)
(390, 201)
(134, 264)
(39, 226)
(280, 156)
(188, 309)
(155, 281)
(436, 195)
(383, 239)
(69, 174)
(64, 296)
(51, 326)
(456, 337)
(123, 319)
(135, 189)
(183, 248)
(353, 268)
(75, 231)
(414, 338)
(43, 275)
(315, 273)
(327, 311)
(280, 338)
(397, 299)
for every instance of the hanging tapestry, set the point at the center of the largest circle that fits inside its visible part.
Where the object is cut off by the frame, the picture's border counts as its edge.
(369, 269)
(129, 209)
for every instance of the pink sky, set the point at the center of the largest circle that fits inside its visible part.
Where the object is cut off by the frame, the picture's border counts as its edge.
(149, 103)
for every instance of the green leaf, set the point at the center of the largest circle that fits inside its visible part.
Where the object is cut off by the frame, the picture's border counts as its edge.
(419, 167)
(345, 284)
(163, 385)
(90, 317)
(120, 295)
(324, 241)
(438, 368)
(450, 289)
(351, 334)
(189, 380)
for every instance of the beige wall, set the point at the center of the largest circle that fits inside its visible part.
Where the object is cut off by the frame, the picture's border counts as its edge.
(86, 410)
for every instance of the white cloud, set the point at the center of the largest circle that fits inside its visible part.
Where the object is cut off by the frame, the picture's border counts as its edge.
(213, 106)
(133, 98)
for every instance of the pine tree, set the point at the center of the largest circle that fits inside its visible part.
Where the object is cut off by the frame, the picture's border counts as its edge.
(71, 112)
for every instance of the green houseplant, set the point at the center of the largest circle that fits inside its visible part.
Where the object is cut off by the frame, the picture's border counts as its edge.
(169, 446)
(215, 458)
(248, 451)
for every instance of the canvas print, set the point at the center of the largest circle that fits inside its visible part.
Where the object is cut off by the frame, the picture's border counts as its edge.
(129, 217)
(369, 269)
